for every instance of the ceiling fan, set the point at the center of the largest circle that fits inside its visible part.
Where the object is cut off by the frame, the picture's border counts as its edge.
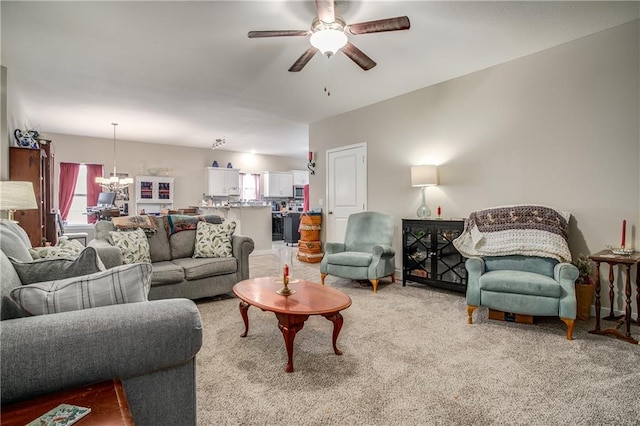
(329, 34)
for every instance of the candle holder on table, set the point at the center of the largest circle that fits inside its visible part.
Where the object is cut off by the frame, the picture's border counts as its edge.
(285, 291)
(620, 251)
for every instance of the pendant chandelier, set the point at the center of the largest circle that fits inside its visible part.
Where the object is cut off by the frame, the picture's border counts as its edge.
(114, 183)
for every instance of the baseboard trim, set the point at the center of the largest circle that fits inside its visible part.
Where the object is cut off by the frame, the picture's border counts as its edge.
(262, 252)
(606, 311)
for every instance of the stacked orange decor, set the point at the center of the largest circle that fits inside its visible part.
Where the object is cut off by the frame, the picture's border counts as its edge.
(309, 245)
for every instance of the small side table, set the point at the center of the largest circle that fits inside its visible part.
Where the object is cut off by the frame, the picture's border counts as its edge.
(107, 401)
(624, 262)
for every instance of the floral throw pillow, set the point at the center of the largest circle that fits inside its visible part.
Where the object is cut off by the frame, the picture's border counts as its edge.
(214, 240)
(133, 245)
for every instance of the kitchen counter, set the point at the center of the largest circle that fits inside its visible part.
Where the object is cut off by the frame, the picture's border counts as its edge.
(235, 207)
(251, 221)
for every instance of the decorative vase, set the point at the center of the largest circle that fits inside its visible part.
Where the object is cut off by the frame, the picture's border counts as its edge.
(229, 166)
(214, 164)
(423, 211)
(27, 139)
(584, 298)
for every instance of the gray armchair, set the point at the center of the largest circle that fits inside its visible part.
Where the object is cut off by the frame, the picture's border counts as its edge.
(527, 285)
(366, 253)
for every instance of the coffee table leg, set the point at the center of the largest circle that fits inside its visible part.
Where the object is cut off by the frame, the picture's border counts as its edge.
(289, 325)
(244, 307)
(337, 320)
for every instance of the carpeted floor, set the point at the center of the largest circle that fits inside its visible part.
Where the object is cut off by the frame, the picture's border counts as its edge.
(409, 358)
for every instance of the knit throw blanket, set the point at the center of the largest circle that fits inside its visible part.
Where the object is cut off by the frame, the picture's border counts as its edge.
(176, 223)
(526, 230)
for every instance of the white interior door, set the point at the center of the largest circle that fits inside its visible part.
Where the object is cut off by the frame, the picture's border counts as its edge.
(346, 187)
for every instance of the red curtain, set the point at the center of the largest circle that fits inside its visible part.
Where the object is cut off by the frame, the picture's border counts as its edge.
(306, 198)
(93, 188)
(67, 187)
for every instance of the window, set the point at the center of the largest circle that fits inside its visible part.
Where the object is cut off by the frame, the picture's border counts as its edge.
(78, 209)
(250, 184)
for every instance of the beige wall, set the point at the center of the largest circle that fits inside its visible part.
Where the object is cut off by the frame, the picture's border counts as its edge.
(187, 164)
(4, 128)
(14, 117)
(559, 128)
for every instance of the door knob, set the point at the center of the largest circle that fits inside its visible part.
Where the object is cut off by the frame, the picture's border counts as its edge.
(330, 212)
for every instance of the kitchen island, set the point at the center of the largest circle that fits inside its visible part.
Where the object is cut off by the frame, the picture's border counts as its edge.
(251, 221)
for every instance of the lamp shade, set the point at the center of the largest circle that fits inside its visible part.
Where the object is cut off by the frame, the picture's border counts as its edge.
(15, 195)
(328, 41)
(424, 175)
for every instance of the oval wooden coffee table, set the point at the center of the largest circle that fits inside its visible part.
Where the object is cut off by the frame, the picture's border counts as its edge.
(293, 310)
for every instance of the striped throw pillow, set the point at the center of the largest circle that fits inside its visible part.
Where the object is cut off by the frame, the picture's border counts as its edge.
(122, 284)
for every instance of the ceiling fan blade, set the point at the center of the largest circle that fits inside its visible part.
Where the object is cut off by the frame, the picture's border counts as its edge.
(303, 59)
(278, 33)
(357, 56)
(326, 11)
(379, 26)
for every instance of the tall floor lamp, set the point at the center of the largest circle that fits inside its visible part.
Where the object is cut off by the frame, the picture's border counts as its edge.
(423, 176)
(16, 195)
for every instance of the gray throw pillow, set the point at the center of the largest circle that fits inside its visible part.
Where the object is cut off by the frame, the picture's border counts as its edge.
(122, 284)
(49, 269)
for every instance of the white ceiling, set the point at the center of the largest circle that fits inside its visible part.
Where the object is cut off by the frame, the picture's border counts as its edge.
(185, 72)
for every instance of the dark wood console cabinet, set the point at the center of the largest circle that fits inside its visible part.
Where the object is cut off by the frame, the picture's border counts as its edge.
(428, 255)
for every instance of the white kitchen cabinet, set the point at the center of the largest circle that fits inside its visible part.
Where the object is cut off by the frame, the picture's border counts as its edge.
(222, 182)
(300, 177)
(154, 193)
(277, 184)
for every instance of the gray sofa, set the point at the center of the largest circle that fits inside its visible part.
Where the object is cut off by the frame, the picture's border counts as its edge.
(150, 346)
(175, 272)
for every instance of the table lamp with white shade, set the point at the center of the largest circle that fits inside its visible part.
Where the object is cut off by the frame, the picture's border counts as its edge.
(423, 176)
(16, 195)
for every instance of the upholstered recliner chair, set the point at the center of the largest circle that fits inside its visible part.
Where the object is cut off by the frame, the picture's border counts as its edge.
(518, 262)
(366, 253)
(525, 285)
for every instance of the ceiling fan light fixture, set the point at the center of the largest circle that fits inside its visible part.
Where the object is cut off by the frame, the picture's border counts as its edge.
(328, 41)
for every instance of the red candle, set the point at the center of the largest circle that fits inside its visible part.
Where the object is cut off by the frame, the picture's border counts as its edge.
(438, 211)
(310, 156)
(624, 232)
(286, 270)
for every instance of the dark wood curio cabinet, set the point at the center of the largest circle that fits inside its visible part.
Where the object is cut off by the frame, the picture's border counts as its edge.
(428, 254)
(36, 166)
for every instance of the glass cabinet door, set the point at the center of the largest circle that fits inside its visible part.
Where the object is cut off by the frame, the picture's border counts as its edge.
(164, 190)
(418, 251)
(146, 190)
(449, 263)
